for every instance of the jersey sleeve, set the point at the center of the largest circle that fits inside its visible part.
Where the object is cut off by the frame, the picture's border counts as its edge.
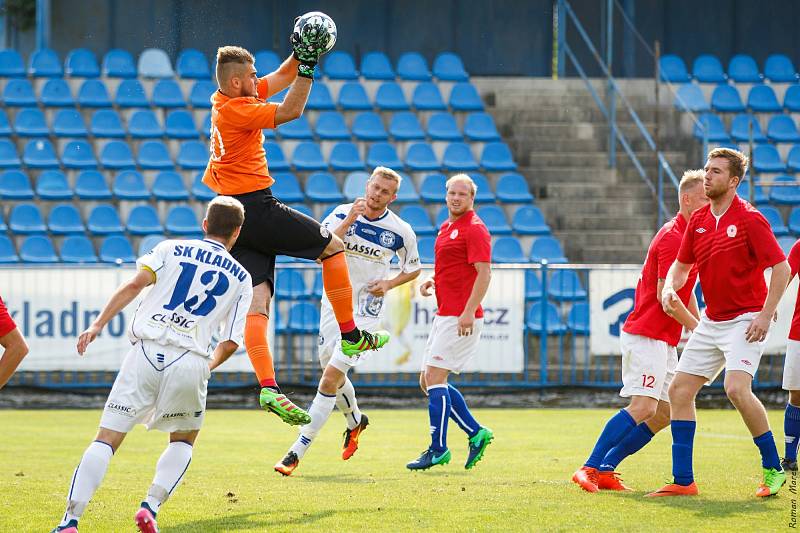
(248, 114)
(263, 88)
(408, 255)
(667, 252)
(155, 259)
(686, 251)
(763, 242)
(237, 315)
(335, 217)
(479, 245)
(794, 258)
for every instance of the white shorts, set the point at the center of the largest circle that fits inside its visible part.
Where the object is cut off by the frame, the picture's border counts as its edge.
(330, 346)
(445, 349)
(648, 366)
(163, 387)
(791, 367)
(717, 345)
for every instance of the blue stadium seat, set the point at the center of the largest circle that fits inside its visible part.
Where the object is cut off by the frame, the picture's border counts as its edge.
(780, 69)
(418, 218)
(30, 122)
(52, 185)
(15, 185)
(290, 285)
(565, 285)
(81, 63)
(339, 65)
(497, 157)
(673, 69)
(464, 97)
(64, 219)
(319, 99)
(782, 129)
(155, 63)
(78, 154)
(200, 94)
(44, 63)
(167, 93)
(200, 190)
(19, 93)
(742, 68)
(711, 125)
(767, 159)
(726, 99)
(512, 188)
(118, 64)
(303, 319)
(785, 191)
(533, 285)
(181, 220)
(8, 154)
(116, 249)
(690, 98)
(56, 93)
(480, 127)
(775, 220)
(331, 126)
(275, 159)
(448, 67)
(354, 185)
(149, 242)
(8, 254)
(180, 125)
(759, 196)
(794, 221)
(383, 154)
(495, 219)
(407, 193)
(117, 155)
(307, 211)
(130, 93)
(432, 189)
(529, 220)
(442, 127)
(307, 156)
(791, 99)
(578, 319)
(458, 157)
(376, 66)
(38, 249)
(26, 219)
(547, 248)
(77, 249)
(353, 97)
(193, 155)
(129, 185)
(267, 62)
(390, 97)
(143, 220)
(484, 194)
(708, 69)
(192, 64)
(11, 65)
(5, 125)
(420, 157)
(286, 188)
(786, 243)
(91, 185)
(206, 129)
(153, 155)
(368, 126)
(345, 156)
(426, 97)
(411, 66)
(508, 250)
(106, 123)
(425, 247)
(168, 186)
(762, 99)
(405, 126)
(793, 159)
(93, 93)
(3, 225)
(321, 187)
(39, 153)
(143, 124)
(740, 129)
(298, 128)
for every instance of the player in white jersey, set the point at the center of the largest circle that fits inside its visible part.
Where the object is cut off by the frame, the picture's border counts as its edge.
(372, 236)
(198, 290)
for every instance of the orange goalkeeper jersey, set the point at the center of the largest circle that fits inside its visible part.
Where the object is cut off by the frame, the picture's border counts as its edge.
(238, 163)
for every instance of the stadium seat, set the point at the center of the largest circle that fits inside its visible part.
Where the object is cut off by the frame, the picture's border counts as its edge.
(442, 127)
(793, 160)
(91, 185)
(286, 187)
(143, 220)
(276, 161)
(458, 157)
(497, 157)
(785, 190)
(339, 65)
(143, 124)
(426, 97)
(782, 129)
(30, 122)
(418, 218)
(303, 319)
(93, 93)
(407, 193)
(791, 99)
(8, 254)
(129, 185)
(106, 123)
(507, 250)
(319, 99)
(425, 247)
(390, 97)
(376, 66)
(480, 127)
(193, 155)
(780, 69)
(168, 186)
(448, 67)
(181, 220)
(118, 64)
(77, 249)
(81, 63)
(11, 65)
(551, 325)
(484, 194)
(495, 220)
(411, 66)
(116, 249)
(767, 159)
(762, 99)
(794, 221)
(726, 99)
(19, 93)
(192, 64)
(200, 94)
(39, 153)
(354, 185)
(742, 68)
(529, 220)
(353, 97)
(368, 126)
(432, 189)
(155, 63)
(565, 285)
(64, 219)
(707, 69)
(382, 154)
(321, 187)
(464, 97)
(547, 248)
(153, 155)
(345, 156)
(15, 185)
(78, 154)
(200, 190)
(306, 210)
(130, 93)
(5, 125)
(44, 63)
(52, 185)
(117, 155)
(267, 62)
(180, 125)
(405, 126)
(786, 243)
(512, 189)
(420, 157)
(711, 126)
(775, 220)
(759, 196)
(8, 154)
(740, 129)
(290, 285)
(167, 93)
(56, 93)
(533, 285)
(673, 69)
(578, 319)
(307, 156)
(331, 126)
(690, 98)
(298, 128)
(149, 242)
(206, 128)
(26, 219)
(38, 249)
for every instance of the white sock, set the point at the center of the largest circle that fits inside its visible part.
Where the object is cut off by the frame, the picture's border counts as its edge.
(171, 467)
(320, 410)
(86, 479)
(347, 404)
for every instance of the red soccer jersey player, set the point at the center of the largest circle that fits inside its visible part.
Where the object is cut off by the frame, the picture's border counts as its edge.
(14, 346)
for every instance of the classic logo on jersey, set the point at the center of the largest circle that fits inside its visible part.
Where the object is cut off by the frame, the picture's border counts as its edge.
(362, 249)
(454, 234)
(700, 230)
(387, 239)
(731, 231)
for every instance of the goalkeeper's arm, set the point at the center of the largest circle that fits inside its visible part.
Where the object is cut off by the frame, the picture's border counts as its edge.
(678, 311)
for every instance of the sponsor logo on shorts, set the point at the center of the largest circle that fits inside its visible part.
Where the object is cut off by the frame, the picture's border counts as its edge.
(731, 230)
(454, 234)
(124, 410)
(746, 362)
(168, 416)
(701, 230)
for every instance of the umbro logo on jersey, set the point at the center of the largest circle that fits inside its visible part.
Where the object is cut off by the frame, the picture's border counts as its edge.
(700, 230)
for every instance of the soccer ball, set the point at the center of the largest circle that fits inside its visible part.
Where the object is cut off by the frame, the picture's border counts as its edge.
(318, 20)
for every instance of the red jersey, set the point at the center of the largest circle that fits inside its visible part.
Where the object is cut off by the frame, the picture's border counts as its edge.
(731, 255)
(458, 246)
(648, 317)
(6, 322)
(794, 264)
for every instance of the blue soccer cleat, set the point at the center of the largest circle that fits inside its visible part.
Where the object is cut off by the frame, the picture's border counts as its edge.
(477, 445)
(428, 459)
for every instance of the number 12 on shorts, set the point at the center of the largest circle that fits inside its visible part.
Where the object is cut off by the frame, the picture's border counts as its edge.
(647, 381)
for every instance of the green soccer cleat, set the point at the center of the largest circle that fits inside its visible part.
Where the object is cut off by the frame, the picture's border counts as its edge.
(429, 459)
(773, 481)
(368, 341)
(477, 445)
(282, 406)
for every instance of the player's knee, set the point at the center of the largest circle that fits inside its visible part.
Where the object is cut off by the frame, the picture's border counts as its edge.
(737, 393)
(680, 393)
(641, 412)
(658, 421)
(794, 397)
(331, 381)
(110, 437)
(334, 247)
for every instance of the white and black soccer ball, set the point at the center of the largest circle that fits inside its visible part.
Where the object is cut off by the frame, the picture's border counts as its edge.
(317, 19)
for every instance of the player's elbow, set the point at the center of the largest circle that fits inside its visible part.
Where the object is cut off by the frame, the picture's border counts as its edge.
(229, 347)
(287, 113)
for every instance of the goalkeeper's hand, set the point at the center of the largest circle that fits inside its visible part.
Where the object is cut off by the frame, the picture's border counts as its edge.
(308, 45)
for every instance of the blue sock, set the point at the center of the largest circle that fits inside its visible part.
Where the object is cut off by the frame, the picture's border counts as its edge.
(461, 414)
(769, 452)
(439, 413)
(682, 444)
(616, 428)
(634, 441)
(791, 430)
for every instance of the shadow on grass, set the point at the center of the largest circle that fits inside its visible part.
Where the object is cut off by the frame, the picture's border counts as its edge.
(247, 521)
(711, 508)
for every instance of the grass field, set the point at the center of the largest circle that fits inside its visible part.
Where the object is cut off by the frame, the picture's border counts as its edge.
(521, 484)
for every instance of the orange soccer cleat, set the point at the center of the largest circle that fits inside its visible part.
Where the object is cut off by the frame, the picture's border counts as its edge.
(587, 478)
(610, 481)
(673, 489)
(350, 444)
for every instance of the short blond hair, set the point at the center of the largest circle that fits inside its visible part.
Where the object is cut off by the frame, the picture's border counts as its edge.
(465, 179)
(737, 161)
(224, 215)
(230, 58)
(387, 173)
(690, 179)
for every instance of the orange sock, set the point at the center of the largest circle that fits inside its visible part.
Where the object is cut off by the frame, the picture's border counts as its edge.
(336, 280)
(255, 341)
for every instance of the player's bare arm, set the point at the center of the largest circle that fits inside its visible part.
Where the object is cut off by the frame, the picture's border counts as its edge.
(679, 312)
(381, 287)
(427, 288)
(467, 319)
(283, 77)
(222, 353)
(295, 102)
(14, 351)
(359, 207)
(759, 327)
(675, 280)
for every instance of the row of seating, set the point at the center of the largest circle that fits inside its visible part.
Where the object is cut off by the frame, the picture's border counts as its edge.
(783, 190)
(745, 127)
(742, 68)
(73, 249)
(726, 99)
(779, 227)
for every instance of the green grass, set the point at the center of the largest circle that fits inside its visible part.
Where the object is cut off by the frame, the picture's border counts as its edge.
(522, 484)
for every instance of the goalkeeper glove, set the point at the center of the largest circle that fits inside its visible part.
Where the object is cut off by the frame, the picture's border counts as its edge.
(307, 46)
